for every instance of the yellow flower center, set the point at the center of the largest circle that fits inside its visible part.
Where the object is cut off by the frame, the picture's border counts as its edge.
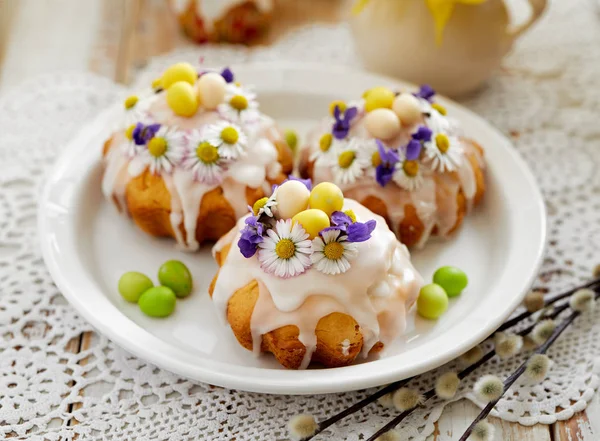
(157, 146)
(442, 142)
(207, 153)
(156, 83)
(285, 249)
(258, 205)
(129, 132)
(411, 168)
(439, 108)
(346, 158)
(376, 159)
(337, 103)
(230, 135)
(130, 101)
(239, 102)
(333, 250)
(351, 215)
(325, 142)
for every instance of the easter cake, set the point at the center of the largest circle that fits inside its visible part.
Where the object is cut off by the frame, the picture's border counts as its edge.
(190, 154)
(403, 157)
(311, 276)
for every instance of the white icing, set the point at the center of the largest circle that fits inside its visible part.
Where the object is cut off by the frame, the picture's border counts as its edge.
(345, 347)
(435, 201)
(303, 300)
(186, 194)
(213, 10)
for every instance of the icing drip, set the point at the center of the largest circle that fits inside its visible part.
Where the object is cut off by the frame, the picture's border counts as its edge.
(303, 300)
(435, 201)
(186, 193)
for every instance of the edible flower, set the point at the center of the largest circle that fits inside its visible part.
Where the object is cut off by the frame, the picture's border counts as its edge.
(285, 250)
(422, 134)
(388, 159)
(356, 231)
(331, 252)
(144, 133)
(251, 236)
(341, 127)
(227, 75)
(426, 92)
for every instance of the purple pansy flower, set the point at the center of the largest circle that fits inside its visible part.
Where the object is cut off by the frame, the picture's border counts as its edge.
(385, 170)
(426, 92)
(251, 236)
(356, 232)
(306, 182)
(341, 126)
(142, 134)
(422, 134)
(227, 75)
(413, 150)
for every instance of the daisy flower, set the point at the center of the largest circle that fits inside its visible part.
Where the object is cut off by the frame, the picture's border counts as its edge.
(331, 252)
(204, 160)
(240, 105)
(285, 250)
(163, 150)
(135, 108)
(265, 206)
(228, 138)
(327, 151)
(129, 147)
(408, 174)
(443, 152)
(350, 162)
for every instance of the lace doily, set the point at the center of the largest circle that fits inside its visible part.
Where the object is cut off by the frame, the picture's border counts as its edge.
(547, 98)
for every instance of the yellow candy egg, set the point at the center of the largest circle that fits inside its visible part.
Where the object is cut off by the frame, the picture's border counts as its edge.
(326, 197)
(211, 90)
(382, 124)
(292, 198)
(406, 106)
(313, 221)
(379, 98)
(179, 72)
(182, 99)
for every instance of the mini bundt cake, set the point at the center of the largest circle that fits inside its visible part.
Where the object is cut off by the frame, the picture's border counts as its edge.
(312, 277)
(398, 154)
(191, 155)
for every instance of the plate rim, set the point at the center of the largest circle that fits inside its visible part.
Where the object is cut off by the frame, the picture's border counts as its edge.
(287, 381)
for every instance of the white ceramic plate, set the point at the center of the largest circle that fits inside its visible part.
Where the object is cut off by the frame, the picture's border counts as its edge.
(87, 246)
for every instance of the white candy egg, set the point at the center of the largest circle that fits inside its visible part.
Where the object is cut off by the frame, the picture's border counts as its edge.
(292, 198)
(382, 123)
(211, 90)
(406, 106)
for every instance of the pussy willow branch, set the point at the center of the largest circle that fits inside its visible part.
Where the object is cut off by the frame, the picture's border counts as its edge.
(325, 424)
(510, 380)
(464, 373)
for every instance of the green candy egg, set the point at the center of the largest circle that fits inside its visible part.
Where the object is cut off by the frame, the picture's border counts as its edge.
(452, 279)
(432, 301)
(133, 284)
(176, 276)
(158, 301)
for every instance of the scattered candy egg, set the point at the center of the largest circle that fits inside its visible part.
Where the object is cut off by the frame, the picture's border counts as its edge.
(452, 279)
(179, 72)
(158, 301)
(133, 284)
(338, 103)
(182, 99)
(432, 301)
(312, 220)
(326, 197)
(292, 198)
(175, 275)
(379, 98)
(291, 138)
(382, 123)
(406, 106)
(211, 90)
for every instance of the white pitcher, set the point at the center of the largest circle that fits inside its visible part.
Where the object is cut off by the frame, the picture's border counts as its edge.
(397, 37)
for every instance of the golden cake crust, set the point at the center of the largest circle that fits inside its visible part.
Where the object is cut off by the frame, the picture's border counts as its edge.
(283, 342)
(149, 202)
